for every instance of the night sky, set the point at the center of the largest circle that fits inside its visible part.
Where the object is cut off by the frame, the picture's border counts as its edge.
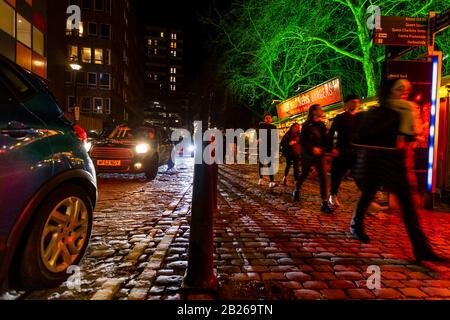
(186, 16)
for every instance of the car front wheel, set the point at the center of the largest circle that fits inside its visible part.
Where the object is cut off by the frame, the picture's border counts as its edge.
(152, 170)
(58, 240)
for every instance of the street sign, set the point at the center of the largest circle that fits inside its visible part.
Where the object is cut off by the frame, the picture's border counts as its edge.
(442, 21)
(402, 31)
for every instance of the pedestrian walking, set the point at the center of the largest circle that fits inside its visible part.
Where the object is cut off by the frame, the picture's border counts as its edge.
(381, 161)
(344, 156)
(290, 147)
(268, 126)
(313, 141)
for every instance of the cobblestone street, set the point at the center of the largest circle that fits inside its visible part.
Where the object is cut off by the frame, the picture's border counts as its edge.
(266, 246)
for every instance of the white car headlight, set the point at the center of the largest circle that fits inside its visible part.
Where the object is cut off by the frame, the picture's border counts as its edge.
(88, 146)
(142, 148)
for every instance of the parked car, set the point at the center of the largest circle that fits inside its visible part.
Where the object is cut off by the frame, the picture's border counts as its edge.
(134, 150)
(48, 186)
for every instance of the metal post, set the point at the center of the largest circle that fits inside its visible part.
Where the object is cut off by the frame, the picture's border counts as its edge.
(200, 272)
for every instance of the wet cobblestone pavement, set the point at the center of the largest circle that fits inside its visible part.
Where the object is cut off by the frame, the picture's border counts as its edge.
(266, 246)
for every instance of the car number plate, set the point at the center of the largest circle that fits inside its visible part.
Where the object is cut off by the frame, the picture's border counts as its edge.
(109, 163)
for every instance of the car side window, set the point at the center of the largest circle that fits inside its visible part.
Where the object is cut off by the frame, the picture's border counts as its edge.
(5, 95)
(15, 81)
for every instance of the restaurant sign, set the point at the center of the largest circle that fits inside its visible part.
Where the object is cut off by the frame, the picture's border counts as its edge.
(326, 94)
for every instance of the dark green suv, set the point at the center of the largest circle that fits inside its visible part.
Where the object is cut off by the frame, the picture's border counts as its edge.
(47, 184)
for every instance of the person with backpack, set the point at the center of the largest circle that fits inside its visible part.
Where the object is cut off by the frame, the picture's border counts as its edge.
(290, 148)
(381, 136)
(314, 140)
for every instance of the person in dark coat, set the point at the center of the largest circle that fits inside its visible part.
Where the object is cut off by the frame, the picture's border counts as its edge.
(381, 161)
(344, 155)
(290, 146)
(313, 141)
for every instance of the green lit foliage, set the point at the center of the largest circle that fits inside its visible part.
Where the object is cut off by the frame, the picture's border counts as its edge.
(271, 49)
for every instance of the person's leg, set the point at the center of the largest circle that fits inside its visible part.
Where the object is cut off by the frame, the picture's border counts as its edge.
(421, 247)
(368, 192)
(320, 166)
(307, 163)
(289, 161)
(296, 161)
(338, 170)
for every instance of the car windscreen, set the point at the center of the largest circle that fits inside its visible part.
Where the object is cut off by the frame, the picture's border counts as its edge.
(126, 133)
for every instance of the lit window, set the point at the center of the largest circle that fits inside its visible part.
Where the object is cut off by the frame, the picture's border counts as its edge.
(173, 45)
(7, 22)
(173, 36)
(23, 30)
(98, 56)
(70, 28)
(162, 34)
(98, 105)
(87, 55)
(155, 51)
(155, 77)
(150, 42)
(173, 70)
(173, 87)
(173, 79)
(173, 53)
(73, 53)
(38, 41)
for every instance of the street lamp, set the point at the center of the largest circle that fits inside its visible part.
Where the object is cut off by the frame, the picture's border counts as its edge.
(76, 111)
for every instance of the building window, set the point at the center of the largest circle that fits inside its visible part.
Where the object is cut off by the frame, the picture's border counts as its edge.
(98, 54)
(86, 106)
(92, 80)
(155, 77)
(125, 77)
(7, 22)
(173, 70)
(99, 5)
(105, 81)
(105, 31)
(150, 42)
(173, 53)
(108, 6)
(23, 30)
(162, 34)
(155, 51)
(98, 105)
(173, 36)
(107, 105)
(107, 56)
(173, 87)
(73, 53)
(81, 78)
(92, 29)
(38, 41)
(68, 77)
(173, 79)
(87, 4)
(87, 55)
(71, 31)
(173, 45)
(156, 43)
(71, 103)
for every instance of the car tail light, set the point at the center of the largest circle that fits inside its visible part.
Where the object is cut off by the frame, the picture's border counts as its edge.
(80, 132)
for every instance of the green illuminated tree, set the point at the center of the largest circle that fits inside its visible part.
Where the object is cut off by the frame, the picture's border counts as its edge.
(272, 49)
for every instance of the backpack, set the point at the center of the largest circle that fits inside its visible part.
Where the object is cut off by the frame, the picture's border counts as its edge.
(377, 127)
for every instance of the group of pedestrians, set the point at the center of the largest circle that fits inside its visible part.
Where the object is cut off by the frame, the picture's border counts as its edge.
(376, 146)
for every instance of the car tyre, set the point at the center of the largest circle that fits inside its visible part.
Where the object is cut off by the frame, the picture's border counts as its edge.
(58, 238)
(152, 170)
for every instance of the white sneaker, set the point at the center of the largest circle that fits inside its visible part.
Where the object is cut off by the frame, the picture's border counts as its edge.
(272, 185)
(260, 182)
(334, 201)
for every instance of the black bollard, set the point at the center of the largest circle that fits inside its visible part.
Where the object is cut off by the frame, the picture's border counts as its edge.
(200, 271)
